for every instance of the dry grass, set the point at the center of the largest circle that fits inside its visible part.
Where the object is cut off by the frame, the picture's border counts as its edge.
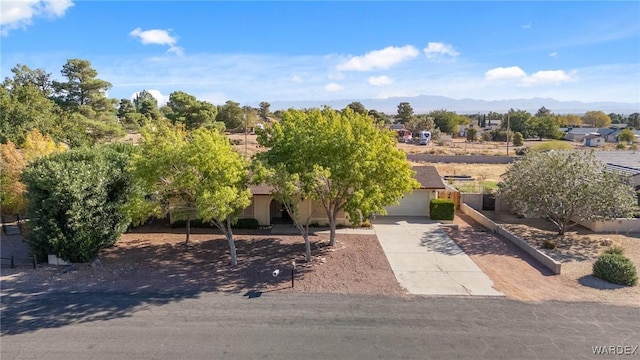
(482, 172)
(247, 144)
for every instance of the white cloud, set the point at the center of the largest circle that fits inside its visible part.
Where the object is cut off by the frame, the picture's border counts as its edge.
(380, 80)
(502, 73)
(553, 54)
(379, 59)
(296, 79)
(437, 49)
(547, 77)
(159, 37)
(537, 78)
(20, 13)
(527, 26)
(333, 87)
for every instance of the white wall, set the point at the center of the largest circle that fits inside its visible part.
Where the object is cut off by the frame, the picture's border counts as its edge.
(613, 226)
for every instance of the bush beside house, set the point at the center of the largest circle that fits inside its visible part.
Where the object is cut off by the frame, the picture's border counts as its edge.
(442, 209)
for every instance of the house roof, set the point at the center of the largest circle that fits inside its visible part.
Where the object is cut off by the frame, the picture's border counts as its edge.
(605, 131)
(262, 189)
(581, 131)
(428, 177)
(625, 158)
(624, 170)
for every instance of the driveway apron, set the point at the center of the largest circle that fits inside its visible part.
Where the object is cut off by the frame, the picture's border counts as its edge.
(426, 261)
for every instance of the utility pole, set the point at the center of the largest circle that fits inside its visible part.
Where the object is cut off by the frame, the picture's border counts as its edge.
(508, 130)
(246, 150)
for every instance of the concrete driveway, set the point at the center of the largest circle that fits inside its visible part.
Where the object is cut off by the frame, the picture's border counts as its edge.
(426, 261)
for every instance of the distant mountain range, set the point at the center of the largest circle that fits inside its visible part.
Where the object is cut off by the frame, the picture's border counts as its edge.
(425, 103)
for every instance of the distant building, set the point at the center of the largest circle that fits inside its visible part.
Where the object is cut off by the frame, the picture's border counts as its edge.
(593, 140)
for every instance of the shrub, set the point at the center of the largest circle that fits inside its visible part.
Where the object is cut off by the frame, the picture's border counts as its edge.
(195, 223)
(522, 151)
(615, 249)
(616, 269)
(518, 140)
(621, 146)
(442, 209)
(549, 244)
(247, 223)
(77, 201)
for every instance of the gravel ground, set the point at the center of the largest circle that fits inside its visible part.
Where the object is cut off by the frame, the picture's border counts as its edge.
(155, 258)
(520, 277)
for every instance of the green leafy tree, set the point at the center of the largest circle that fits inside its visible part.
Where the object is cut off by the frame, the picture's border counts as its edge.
(231, 115)
(518, 121)
(196, 175)
(264, 109)
(596, 119)
(617, 118)
(147, 105)
(24, 106)
(627, 136)
(127, 114)
(472, 134)
(405, 113)
(82, 88)
(357, 107)
(448, 121)
(518, 139)
(379, 117)
(544, 127)
(76, 201)
(186, 109)
(634, 120)
(420, 122)
(566, 187)
(25, 76)
(360, 169)
(542, 112)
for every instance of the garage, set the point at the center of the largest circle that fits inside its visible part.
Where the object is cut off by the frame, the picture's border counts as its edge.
(417, 202)
(414, 204)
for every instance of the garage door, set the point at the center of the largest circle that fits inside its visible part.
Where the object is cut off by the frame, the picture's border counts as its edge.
(414, 204)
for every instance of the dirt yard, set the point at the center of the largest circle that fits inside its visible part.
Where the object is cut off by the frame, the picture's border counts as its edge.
(154, 258)
(520, 277)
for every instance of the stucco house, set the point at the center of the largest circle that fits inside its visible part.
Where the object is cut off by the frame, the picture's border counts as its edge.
(269, 211)
(578, 134)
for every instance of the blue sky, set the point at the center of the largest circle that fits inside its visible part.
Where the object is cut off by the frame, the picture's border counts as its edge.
(267, 51)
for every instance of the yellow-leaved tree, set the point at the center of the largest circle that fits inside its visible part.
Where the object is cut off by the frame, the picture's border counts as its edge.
(13, 162)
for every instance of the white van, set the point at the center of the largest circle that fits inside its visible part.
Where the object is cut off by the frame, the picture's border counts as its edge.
(424, 137)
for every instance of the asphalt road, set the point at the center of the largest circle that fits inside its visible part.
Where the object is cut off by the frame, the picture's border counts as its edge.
(305, 326)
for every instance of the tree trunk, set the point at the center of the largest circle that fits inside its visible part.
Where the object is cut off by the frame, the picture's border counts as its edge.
(562, 229)
(332, 229)
(307, 245)
(232, 244)
(186, 241)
